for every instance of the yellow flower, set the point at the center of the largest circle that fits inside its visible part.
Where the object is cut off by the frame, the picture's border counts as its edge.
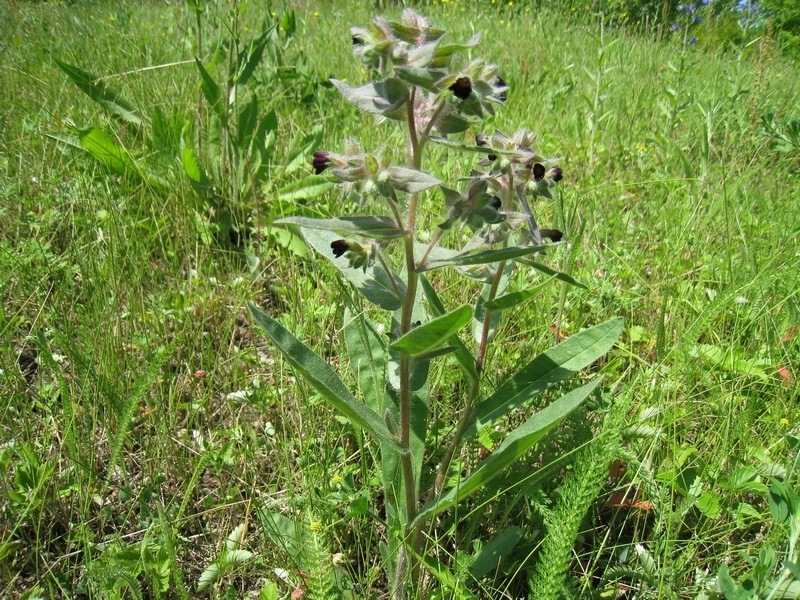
(784, 422)
(336, 479)
(315, 526)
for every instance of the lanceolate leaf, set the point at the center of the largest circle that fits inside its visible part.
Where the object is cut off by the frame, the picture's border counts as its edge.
(515, 298)
(462, 354)
(103, 147)
(375, 284)
(371, 227)
(248, 59)
(514, 446)
(211, 91)
(310, 187)
(411, 180)
(368, 358)
(106, 96)
(483, 257)
(322, 378)
(383, 97)
(556, 364)
(553, 273)
(424, 338)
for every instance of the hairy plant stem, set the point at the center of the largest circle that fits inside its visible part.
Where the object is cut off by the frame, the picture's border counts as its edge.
(405, 361)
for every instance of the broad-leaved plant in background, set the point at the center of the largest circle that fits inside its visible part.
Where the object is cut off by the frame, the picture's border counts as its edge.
(487, 229)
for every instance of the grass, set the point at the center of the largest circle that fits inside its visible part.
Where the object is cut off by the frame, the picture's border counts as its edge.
(157, 420)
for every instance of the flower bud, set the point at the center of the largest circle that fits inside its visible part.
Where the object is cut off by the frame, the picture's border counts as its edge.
(558, 174)
(462, 88)
(553, 235)
(481, 140)
(321, 161)
(339, 247)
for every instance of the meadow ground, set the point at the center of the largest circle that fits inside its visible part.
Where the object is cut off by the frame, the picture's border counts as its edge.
(144, 420)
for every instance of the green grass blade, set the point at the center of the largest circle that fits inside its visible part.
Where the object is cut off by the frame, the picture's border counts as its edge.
(322, 378)
(554, 365)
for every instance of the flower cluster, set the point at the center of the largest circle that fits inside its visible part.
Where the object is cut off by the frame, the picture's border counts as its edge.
(420, 73)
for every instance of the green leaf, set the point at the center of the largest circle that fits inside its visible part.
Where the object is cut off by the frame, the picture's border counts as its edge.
(192, 168)
(384, 98)
(103, 148)
(464, 357)
(209, 576)
(322, 378)
(371, 227)
(368, 356)
(783, 502)
(411, 181)
(301, 148)
(308, 188)
(516, 298)
(553, 273)
(729, 359)
(212, 92)
(556, 364)
(106, 96)
(455, 587)
(374, 284)
(433, 333)
(282, 531)
(249, 58)
(482, 257)
(516, 444)
(490, 557)
(247, 124)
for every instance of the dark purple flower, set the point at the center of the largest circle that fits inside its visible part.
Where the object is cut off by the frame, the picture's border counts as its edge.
(321, 161)
(481, 139)
(495, 202)
(554, 235)
(558, 174)
(500, 83)
(491, 157)
(339, 247)
(538, 170)
(358, 41)
(462, 88)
